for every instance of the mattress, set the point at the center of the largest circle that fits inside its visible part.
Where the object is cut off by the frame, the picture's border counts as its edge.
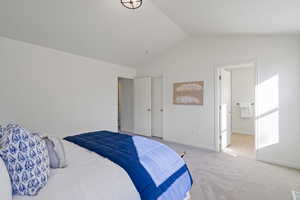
(82, 179)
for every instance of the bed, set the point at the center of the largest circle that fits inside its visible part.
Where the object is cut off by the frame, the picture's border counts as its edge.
(91, 176)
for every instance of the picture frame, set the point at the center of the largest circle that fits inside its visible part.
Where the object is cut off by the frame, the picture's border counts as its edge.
(188, 93)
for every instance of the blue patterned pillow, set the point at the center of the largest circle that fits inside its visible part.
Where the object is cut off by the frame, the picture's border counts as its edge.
(26, 158)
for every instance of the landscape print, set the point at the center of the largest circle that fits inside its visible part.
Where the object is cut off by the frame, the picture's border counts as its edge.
(188, 93)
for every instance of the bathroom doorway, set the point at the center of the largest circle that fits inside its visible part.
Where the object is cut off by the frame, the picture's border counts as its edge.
(236, 109)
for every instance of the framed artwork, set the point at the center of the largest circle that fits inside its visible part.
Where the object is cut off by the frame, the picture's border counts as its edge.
(188, 93)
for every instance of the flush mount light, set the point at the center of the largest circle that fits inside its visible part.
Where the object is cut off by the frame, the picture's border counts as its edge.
(132, 4)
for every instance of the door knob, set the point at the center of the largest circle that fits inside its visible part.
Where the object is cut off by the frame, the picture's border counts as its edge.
(161, 110)
(148, 109)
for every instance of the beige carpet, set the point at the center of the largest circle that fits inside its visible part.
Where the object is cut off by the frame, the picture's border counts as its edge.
(219, 176)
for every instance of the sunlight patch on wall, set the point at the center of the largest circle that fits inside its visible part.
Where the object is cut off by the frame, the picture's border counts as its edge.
(267, 112)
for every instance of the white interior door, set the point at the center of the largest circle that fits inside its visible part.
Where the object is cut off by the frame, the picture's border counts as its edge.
(142, 106)
(157, 107)
(225, 108)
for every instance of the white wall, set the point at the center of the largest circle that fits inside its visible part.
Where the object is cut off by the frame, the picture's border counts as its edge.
(242, 91)
(197, 59)
(126, 104)
(53, 92)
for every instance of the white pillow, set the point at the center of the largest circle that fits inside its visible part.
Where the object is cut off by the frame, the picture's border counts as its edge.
(3, 136)
(56, 152)
(5, 185)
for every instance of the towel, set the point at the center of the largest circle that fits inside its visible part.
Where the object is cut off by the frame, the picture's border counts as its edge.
(246, 110)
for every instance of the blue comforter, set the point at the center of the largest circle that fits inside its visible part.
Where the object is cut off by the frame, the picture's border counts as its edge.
(157, 172)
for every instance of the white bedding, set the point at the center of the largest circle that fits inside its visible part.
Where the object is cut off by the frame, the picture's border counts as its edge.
(88, 176)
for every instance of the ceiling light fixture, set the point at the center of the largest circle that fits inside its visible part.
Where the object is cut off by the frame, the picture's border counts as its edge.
(132, 4)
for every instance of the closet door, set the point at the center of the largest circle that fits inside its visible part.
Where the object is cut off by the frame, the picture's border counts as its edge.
(142, 106)
(157, 107)
(225, 111)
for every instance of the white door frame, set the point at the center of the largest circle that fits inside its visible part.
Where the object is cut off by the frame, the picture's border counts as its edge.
(218, 98)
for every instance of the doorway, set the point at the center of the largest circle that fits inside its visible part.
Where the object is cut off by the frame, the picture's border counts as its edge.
(140, 106)
(125, 105)
(236, 109)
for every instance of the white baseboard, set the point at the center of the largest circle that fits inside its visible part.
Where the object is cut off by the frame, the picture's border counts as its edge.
(280, 163)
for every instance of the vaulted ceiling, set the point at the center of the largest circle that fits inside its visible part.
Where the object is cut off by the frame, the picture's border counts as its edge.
(103, 29)
(234, 16)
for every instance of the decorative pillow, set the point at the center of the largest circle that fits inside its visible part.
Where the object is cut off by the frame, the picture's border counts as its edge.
(26, 158)
(5, 190)
(1, 131)
(56, 152)
(3, 136)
